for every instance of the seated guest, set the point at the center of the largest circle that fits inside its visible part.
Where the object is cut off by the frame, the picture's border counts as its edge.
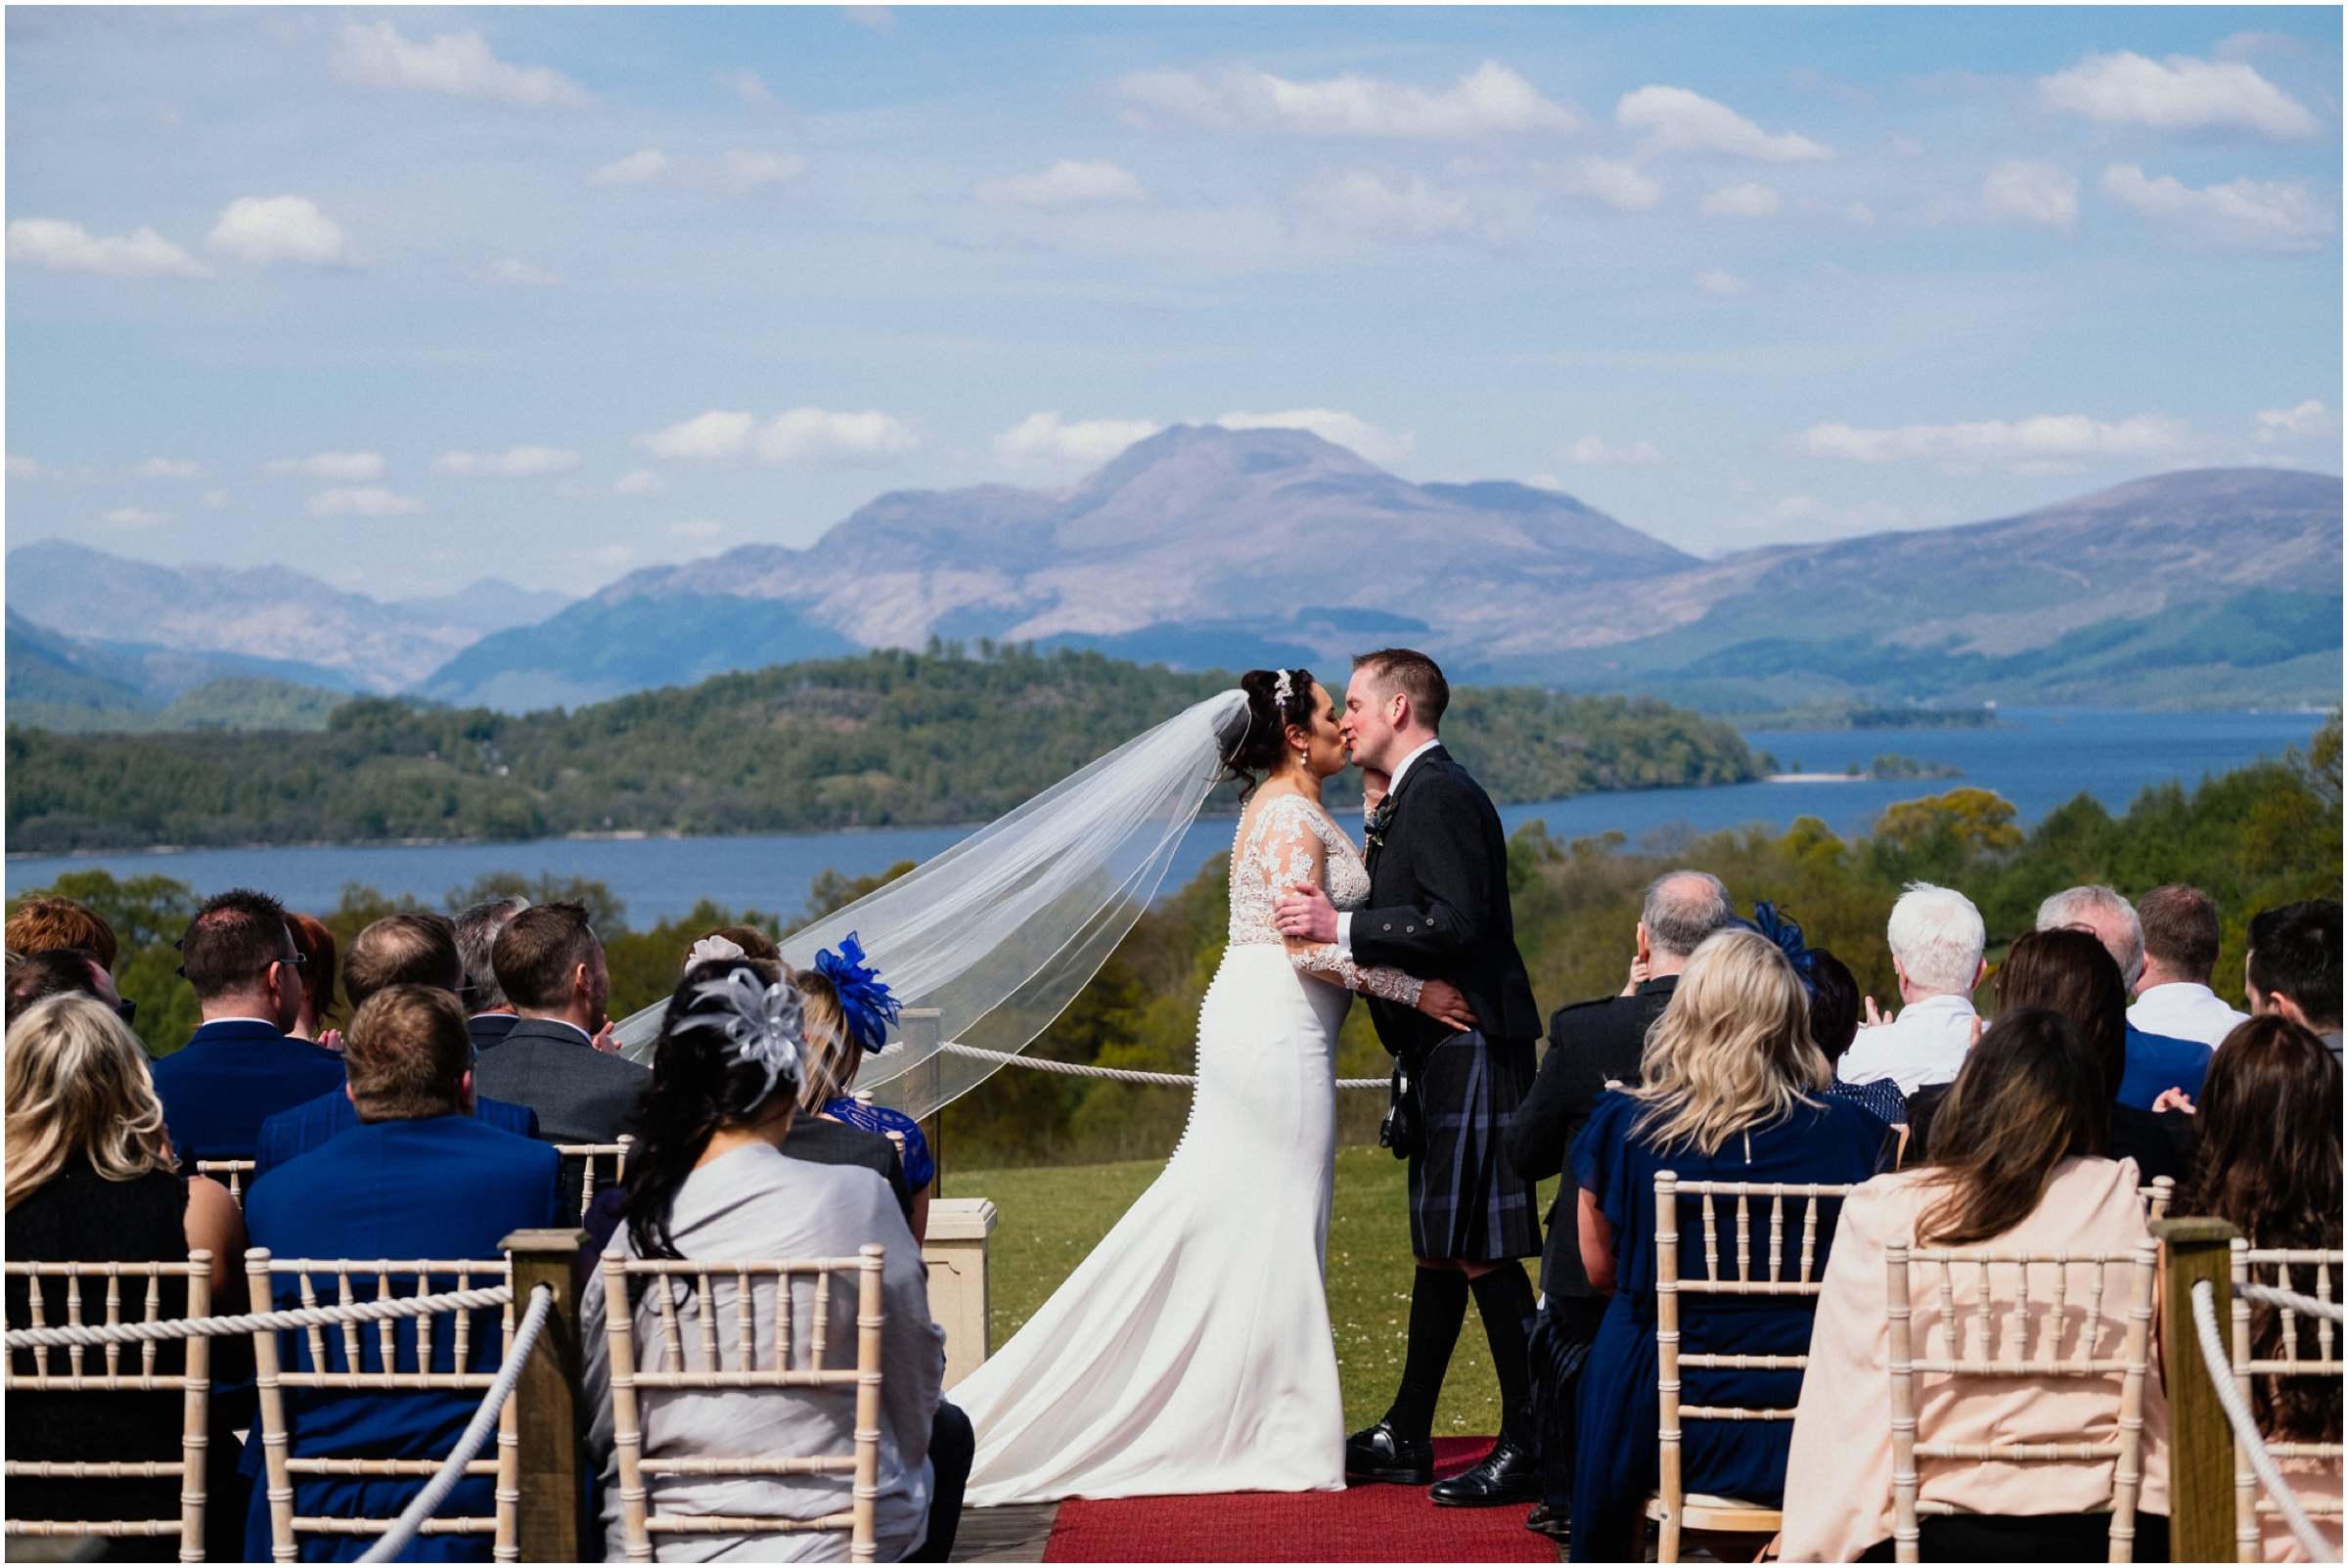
(40, 924)
(1835, 1004)
(2071, 972)
(2173, 996)
(316, 945)
(2269, 1162)
(240, 1069)
(710, 1180)
(35, 977)
(419, 1177)
(2016, 1163)
(551, 966)
(1590, 1044)
(846, 1015)
(488, 1014)
(1732, 1091)
(2157, 1062)
(2293, 967)
(91, 1179)
(1936, 939)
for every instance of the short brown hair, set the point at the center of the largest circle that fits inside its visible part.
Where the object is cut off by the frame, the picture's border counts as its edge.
(537, 951)
(407, 1053)
(2181, 929)
(316, 945)
(1413, 674)
(35, 977)
(232, 941)
(41, 925)
(415, 947)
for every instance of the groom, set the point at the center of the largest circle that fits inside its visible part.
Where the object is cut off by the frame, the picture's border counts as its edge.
(1439, 909)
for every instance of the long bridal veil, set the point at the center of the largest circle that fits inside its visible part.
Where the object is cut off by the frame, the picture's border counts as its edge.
(999, 933)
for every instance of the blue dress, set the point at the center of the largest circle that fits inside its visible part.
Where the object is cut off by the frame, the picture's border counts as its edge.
(919, 1167)
(1615, 1464)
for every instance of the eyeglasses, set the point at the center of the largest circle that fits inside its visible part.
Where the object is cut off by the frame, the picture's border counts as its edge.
(298, 960)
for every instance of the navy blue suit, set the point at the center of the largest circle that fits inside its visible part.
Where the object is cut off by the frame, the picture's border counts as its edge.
(292, 1134)
(2157, 1062)
(231, 1077)
(448, 1188)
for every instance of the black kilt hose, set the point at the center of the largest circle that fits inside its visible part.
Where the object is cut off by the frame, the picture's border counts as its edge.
(1439, 909)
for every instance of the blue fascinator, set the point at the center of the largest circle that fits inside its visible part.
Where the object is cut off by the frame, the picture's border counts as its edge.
(869, 1006)
(1788, 935)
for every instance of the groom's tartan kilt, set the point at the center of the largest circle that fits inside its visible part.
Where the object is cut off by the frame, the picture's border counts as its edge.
(1467, 1200)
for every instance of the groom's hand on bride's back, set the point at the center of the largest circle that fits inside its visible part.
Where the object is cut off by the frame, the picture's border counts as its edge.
(1305, 913)
(1373, 788)
(1444, 1002)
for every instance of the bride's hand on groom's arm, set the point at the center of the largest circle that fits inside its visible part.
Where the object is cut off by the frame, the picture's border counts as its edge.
(1305, 913)
(1442, 1000)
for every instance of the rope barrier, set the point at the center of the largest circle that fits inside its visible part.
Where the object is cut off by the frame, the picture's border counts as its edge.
(357, 1312)
(2291, 1301)
(493, 1403)
(2219, 1366)
(1122, 1075)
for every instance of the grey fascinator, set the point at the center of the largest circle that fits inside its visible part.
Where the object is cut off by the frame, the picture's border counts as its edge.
(761, 1024)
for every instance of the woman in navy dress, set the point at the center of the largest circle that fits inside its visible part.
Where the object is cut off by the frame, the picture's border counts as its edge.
(1733, 1090)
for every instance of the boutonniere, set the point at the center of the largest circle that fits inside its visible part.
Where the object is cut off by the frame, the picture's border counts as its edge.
(1373, 831)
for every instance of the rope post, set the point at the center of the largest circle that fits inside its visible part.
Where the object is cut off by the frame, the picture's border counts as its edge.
(922, 1029)
(554, 1525)
(2201, 1503)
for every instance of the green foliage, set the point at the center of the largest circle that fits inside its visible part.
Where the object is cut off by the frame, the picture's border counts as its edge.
(148, 914)
(881, 739)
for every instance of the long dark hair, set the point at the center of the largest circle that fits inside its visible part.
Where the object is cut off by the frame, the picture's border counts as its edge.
(2073, 973)
(2030, 1095)
(2269, 1162)
(696, 1087)
(1262, 748)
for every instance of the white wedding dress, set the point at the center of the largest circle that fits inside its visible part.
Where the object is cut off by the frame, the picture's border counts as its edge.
(1191, 1352)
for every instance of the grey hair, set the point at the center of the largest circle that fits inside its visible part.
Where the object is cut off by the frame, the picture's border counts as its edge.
(477, 935)
(1682, 908)
(2080, 906)
(1937, 935)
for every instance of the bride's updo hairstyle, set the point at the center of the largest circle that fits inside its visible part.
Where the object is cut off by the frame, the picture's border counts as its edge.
(696, 1086)
(1264, 745)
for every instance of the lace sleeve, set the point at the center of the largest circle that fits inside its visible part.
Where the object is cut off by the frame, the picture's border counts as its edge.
(1291, 854)
(1329, 962)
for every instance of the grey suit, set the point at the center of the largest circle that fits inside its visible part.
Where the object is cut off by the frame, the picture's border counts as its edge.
(581, 1095)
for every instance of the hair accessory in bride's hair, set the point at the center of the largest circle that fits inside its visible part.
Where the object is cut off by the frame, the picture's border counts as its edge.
(714, 947)
(869, 1006)
(761, 1024)
(1281, 689)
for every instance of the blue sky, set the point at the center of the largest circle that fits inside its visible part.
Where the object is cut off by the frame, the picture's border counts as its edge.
(409, 297)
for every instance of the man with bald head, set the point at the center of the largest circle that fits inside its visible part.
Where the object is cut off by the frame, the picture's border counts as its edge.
(1588, 1045)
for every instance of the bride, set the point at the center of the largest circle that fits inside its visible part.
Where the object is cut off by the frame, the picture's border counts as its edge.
(1191, 1352)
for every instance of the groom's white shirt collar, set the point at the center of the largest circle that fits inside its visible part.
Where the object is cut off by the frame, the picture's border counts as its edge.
(1393, 783)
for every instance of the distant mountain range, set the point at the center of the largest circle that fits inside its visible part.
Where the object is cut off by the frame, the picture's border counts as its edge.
(1204, 546)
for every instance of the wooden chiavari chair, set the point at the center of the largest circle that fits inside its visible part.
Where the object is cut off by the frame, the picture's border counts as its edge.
(706, 1359)
(2306, 1272)
(2158, 1196)
(587, 1154)
(117, 1369)
(381, 1360)
(234, 1173)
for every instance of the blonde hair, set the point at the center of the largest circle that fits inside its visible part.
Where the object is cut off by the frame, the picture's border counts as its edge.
(832, 1054)
(1732, 1052)
(79, 1084)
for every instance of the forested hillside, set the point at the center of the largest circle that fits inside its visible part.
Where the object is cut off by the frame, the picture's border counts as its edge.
(881, 738)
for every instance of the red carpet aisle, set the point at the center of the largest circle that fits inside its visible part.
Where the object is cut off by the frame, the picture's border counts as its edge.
(1365, 1524)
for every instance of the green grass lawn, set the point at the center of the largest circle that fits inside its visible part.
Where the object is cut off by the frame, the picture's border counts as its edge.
(1052, 1217)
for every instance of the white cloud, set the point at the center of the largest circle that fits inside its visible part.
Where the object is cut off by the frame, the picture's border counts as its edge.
(2245, 214)
(1750, 199)
(133, 518)
(2045, 437)
(214, 498)
(2309, 418)
(741, 171)
(877, 18)
(459, 64)
(70, 248)
(1623, 186)
(640, 482)
(694, 529)
(2031, 193)
(1678, 120)
(1489, 101)
(1722, 285)
(1367, 204)
(266, 230)
(2183, 94)
(367, 503)
(1348, 430)
(1042, 439)
(24, 467)
(330, 466)
(514, 463)
(799, 436)
(749, 86)
(1592, 449)
(520, 274)
(165, 469)
(1067, 183)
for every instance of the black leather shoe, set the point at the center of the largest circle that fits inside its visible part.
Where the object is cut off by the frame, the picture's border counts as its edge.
(1544, 1520)
(1383, 1454)
(1505, 1475)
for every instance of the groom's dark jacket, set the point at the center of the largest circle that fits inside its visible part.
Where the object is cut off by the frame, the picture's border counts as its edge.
(1439, 907)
